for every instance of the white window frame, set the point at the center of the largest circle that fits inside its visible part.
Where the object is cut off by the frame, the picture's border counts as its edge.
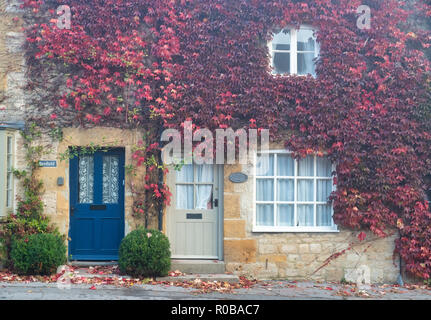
(293, 51)
(275, 228)
(6, 207)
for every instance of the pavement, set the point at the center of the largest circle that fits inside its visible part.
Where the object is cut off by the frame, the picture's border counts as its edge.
(107, 283)
(267, 290)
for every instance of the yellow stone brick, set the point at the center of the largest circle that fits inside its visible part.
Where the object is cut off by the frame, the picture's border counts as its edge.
(234, 228)
(231, 168)
(273, 258)
(231, 206)
(240, 250)
(228, 186)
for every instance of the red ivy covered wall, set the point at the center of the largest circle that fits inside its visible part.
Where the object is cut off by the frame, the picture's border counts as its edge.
(160, 62)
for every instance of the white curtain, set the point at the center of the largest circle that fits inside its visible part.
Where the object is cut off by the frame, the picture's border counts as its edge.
(265, 190)
(305, 214)
(265, 165)
(111, 172)
(204, 173)
(306, 167)
(86, 179)
(184, 196)
(324, 167)
(285, 165)
(184, 192)
(185, 174)
(265, 215)
(323, 188)
(285, 190)
(305, 190)
(285, 215)
(323, 215)
(306, 51)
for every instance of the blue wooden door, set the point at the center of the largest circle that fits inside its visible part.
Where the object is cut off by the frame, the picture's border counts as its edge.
(96, 205)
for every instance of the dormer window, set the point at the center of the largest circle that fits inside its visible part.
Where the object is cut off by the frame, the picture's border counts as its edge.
(294, 51)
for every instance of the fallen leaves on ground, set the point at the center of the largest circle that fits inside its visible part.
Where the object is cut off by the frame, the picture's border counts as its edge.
(210, 286)
(109, 275)
(176, 273)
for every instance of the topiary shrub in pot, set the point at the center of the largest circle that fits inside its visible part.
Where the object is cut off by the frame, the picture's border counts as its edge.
(145, 253)
(38, 254)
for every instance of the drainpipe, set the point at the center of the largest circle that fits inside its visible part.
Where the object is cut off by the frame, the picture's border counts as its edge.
(400, 276)
(161, 207)
(160, 179)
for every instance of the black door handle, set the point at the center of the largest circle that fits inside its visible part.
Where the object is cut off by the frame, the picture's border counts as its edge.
(72, 210)
(215, 203)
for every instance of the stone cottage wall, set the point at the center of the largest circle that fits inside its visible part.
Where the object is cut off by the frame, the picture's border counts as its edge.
(12, 63)
(12, 76)
(296, 255)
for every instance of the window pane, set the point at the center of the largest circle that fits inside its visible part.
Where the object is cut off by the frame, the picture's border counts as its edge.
(306, 40)
(305, 190)
(9, 190)
(9, 163)
(265, 190)
(9, 199)
(285, 165)
(306, 167)
(185, 174)
(323, 215)
(285, 190)
(264, 215)
(265, 165)
(306, 63)
(86, 179)
(324, 167)
(281, 62)
(281, 40)
(9, 181)
(285, 215)
(184, 196)
(111, 175)
(204, 173)
(305, 215)
(204, 197)
(323, 189)
(9, 145)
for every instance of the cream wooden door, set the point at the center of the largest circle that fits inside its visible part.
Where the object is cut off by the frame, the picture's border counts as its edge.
(194, 216)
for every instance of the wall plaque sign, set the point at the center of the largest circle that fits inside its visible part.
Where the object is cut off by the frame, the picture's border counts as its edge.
(238, 177)
(48, 163)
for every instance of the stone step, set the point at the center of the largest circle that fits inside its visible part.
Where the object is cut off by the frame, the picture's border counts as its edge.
(198, 266)
(188, 267)
(76, 263)
(203, 277)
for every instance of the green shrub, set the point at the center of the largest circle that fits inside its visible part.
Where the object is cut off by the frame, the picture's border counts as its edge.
(38, 254)
(145, 253)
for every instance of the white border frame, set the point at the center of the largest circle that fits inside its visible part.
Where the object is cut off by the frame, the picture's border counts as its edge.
(12, 182)
(332, 228)
(293, 49)
(218, 193)
(4, 134)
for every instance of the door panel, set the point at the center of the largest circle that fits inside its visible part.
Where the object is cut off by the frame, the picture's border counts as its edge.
(194, 215)
(96, 205)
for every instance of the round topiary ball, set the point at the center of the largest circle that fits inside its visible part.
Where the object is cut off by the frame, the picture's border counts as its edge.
(145, 253)
(38, 254)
